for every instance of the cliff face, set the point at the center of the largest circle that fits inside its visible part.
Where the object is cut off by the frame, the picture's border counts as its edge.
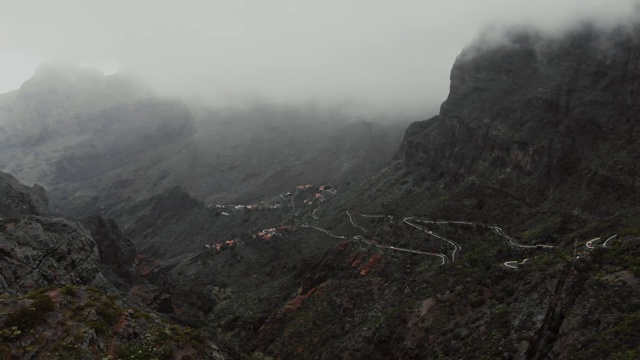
(541, 115)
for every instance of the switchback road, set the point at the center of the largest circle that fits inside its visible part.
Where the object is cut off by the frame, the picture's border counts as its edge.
(456, 247)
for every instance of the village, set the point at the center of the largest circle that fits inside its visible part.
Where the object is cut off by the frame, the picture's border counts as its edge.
(310, 195)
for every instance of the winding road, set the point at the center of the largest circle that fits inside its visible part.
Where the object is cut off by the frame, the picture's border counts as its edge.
(609, 239)
(443, 257)
(354, 224)
(590, 244)
(515, 264)
(513, 242)
(456, 247)
(324, 231)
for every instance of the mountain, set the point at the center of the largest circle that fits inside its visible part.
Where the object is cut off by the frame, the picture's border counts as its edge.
(99, 143)
(506, 227)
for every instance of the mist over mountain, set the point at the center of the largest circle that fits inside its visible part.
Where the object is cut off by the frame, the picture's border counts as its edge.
(95, 142)
(138, 225)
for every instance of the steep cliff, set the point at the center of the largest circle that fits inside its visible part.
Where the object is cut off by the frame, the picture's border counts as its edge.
(545, 119)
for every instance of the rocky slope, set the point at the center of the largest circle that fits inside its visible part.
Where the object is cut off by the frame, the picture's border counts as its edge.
(84, 323)
(66, 289)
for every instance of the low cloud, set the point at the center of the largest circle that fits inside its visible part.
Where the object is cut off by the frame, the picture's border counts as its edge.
(382, 56)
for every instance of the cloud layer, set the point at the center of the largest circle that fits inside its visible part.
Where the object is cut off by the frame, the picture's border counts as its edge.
(392, 56)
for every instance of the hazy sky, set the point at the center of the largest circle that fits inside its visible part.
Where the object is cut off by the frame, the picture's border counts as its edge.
(383, 54)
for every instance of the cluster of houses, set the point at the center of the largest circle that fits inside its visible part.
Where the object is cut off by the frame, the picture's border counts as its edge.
(267, 234)
(227, 244)
(249, 207)
(320, 194)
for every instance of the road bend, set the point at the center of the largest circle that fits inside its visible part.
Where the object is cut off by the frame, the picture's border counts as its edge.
(609, 239)
(455, 245)
(513, 242)
(354, 224)
(515, 264)
(591, 243)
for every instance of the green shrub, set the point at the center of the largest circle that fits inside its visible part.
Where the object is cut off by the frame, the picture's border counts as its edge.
(28, 316)
(69, 290)
(109, 312)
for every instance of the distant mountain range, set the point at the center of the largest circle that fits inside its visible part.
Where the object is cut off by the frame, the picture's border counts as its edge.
(100, 142)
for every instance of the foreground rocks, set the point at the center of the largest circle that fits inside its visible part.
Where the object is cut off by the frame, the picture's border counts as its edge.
(63, 289)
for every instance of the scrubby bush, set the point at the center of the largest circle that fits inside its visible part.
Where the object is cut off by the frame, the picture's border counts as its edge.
(28, 316)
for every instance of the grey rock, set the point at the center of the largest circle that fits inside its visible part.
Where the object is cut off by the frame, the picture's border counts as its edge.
(17, 199)
(36, 252)
(117, 253)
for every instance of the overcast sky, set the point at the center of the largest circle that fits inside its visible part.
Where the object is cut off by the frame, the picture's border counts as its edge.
(392, 55)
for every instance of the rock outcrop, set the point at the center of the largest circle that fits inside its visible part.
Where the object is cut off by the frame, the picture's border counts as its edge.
(18, 199)
(117, 253)
(37, 252)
